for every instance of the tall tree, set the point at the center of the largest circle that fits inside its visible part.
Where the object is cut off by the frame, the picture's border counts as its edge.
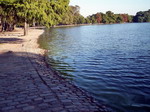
(110, 16)
(73, 16)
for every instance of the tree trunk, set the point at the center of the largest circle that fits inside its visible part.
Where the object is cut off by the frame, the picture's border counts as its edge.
(25, 28)
(4, 26)
(0, 23)
(33, 23)
(14, 26)
(11, 27)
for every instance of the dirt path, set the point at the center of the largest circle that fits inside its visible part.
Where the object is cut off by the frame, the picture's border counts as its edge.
(28, 85)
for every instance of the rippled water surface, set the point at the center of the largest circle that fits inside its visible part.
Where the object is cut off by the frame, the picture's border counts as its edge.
(112, 62)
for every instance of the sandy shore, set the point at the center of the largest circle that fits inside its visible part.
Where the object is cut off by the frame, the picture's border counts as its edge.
(16, 42)
(27, 84)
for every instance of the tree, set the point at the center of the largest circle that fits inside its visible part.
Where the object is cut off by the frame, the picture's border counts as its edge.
(81, 20)
(130, 18)
(147, 16)
(75, 9)
(98, 17)
(7, 15)
(125, 17)
(73, 16)
(142, 16)
(105, 19)
(87, 20)
(45, 12)
(110, 16)
(119, 19)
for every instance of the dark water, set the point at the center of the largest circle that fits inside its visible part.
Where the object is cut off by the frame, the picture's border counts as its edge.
(112, 62)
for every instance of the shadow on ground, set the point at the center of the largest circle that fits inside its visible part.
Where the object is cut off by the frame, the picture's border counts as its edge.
(11, 40)
(27, 84)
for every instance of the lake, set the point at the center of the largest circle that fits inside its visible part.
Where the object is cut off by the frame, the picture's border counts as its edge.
(111, 62)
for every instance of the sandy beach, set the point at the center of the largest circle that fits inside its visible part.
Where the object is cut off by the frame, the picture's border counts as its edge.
(16, 42)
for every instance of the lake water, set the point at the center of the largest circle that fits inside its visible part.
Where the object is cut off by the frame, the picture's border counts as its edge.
(111, 62)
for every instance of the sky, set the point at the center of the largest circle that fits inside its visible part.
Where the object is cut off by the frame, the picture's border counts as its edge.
(89, 7)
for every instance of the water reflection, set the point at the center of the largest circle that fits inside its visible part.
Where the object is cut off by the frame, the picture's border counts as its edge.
(64, 68)
(53, 52)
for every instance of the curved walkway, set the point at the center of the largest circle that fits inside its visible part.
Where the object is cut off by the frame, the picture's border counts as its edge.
(28, 85)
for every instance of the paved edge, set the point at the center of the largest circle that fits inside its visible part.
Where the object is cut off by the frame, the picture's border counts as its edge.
(72, 98)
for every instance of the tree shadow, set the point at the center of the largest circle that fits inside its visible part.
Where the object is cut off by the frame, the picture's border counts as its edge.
(15, 60)
(24, 62)
(23, 71)
(12, 33)
(11, 40)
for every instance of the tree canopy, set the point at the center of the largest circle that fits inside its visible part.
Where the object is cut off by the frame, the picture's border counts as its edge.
(142, 16)
(72, 16)
(44, 12)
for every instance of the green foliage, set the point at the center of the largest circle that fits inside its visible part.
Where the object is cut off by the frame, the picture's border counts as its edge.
(81, 20)
(7, 14)
(110, 18)
(119, 18)
(72, 16)
(87, 20)
(130, 18)
(44, 12)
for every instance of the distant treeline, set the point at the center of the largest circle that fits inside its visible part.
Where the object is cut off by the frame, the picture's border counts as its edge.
(73, 16)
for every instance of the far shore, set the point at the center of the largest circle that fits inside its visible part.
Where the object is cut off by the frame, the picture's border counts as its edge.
(73, 25)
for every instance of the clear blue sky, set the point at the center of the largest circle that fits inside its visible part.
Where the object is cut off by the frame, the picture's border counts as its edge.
(89, 7)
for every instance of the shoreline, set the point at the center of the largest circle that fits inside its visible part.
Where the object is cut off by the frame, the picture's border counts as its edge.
(74, 25)
(104, 107)
(26, 52)
(53, 71)
(71, 25)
